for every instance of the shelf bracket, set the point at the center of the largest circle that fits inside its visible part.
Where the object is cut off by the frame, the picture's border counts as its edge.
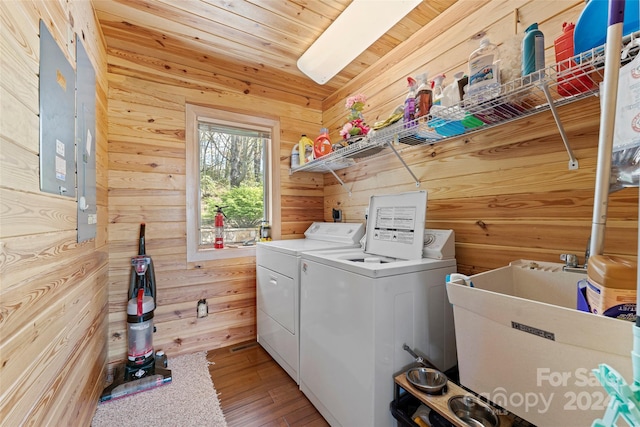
(573, 162)
(391, 145)
(339, 180)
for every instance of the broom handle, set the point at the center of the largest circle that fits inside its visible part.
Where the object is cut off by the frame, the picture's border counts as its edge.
(609, 95)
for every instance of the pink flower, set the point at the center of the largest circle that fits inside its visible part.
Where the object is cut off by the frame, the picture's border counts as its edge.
(346, 130)
(355, 124)
(357, 100)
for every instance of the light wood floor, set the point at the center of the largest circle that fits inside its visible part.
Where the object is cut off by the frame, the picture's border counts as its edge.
(255, 391)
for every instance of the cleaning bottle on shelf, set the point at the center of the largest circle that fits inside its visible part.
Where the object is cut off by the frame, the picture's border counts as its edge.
(451, 93)
(322, 144)
(424, 97)
(295, 156)
(532, 53)
(410, 104)
(305, 149)
(438, 91)
(611, 287)
(484, 73)
(569, 82)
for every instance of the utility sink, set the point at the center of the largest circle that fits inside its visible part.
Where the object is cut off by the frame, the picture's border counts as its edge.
(523, 344)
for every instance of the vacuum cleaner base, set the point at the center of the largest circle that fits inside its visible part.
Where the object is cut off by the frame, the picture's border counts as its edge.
(121, 386)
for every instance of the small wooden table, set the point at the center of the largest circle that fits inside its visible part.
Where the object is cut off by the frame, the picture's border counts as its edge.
(439, 402)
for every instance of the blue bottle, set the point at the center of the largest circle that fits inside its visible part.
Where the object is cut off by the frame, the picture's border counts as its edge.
(532, 52)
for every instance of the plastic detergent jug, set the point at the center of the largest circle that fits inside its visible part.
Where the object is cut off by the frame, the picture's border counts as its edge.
(295, 156)
(484, 73)
(322, 144)
(424, 99)
(532, 52)
(451, 93)
(591, 26)
(569, 83)
(438, 91)
(611, 286)
(305, 149)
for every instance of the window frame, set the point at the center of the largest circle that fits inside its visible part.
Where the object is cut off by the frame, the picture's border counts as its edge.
(195, 113)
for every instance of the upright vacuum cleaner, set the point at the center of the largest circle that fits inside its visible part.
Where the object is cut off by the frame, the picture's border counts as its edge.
(144, 369)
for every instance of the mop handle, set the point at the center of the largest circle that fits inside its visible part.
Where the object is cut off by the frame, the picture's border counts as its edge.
(609, 95)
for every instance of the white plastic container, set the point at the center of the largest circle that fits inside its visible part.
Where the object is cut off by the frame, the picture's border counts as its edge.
(484, 73)
(295, 156)
(523, 345)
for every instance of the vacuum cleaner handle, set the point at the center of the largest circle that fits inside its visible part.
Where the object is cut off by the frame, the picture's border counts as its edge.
(151, 281)
(141, 245)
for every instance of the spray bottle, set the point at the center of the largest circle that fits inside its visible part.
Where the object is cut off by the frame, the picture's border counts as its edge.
(410, 104)
(423, 97)
(219, 225)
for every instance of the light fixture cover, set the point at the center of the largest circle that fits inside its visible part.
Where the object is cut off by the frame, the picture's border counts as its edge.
(358, 27)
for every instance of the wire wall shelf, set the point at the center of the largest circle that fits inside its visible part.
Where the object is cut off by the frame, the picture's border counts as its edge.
(558, 84)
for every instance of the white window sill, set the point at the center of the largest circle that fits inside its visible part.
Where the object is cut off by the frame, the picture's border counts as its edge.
(211, 254)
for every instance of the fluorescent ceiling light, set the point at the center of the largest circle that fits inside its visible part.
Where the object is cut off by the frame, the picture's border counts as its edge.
(362, 23)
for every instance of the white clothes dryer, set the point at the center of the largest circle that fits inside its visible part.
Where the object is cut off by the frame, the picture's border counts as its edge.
(358, 308)
(278, 287)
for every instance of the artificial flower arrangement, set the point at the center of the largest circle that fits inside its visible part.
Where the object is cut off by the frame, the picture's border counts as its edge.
(355, 125)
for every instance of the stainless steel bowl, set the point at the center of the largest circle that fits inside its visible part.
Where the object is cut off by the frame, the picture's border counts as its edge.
(473, 411)
(426, 379)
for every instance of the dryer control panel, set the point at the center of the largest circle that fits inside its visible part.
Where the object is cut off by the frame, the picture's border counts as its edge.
(439, 244)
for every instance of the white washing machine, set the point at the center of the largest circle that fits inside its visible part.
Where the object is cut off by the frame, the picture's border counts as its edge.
(278, 287)
(358, 308)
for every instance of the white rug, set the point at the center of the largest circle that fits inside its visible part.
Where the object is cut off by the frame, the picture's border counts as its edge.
(189, 400)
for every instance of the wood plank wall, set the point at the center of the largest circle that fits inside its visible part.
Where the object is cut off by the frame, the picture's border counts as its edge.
(53, 291)
(507, 191)
(150, 81)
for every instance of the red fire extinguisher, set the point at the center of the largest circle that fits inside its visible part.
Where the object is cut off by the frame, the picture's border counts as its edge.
(219, 223)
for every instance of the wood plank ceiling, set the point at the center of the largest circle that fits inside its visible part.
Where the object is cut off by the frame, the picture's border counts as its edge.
(255, 41)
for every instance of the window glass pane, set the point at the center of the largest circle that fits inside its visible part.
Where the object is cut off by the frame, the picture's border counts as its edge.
(232, 163)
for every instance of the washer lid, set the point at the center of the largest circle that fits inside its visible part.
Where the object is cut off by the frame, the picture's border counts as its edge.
(395, 226)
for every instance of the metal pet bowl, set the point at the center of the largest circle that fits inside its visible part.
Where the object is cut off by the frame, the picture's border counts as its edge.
(473, 411)
(426, 379)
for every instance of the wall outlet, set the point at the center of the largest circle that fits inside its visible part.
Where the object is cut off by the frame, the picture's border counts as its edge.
(337, 215)
(203, 308)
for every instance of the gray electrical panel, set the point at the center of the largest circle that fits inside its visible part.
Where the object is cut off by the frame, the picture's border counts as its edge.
(57, 118)
(85, 143)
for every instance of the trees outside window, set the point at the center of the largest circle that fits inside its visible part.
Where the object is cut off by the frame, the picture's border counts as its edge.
(228, 157)
(232, 176)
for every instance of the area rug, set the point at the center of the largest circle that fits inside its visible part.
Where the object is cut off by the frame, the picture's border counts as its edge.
(189, 400)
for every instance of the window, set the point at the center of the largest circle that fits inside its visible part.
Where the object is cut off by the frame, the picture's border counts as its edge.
(231, 163)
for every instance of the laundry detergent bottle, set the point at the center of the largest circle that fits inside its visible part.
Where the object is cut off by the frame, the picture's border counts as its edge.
(569, 82)
(438, 91)
(305, 149)
(295, 156)
(322, 144)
